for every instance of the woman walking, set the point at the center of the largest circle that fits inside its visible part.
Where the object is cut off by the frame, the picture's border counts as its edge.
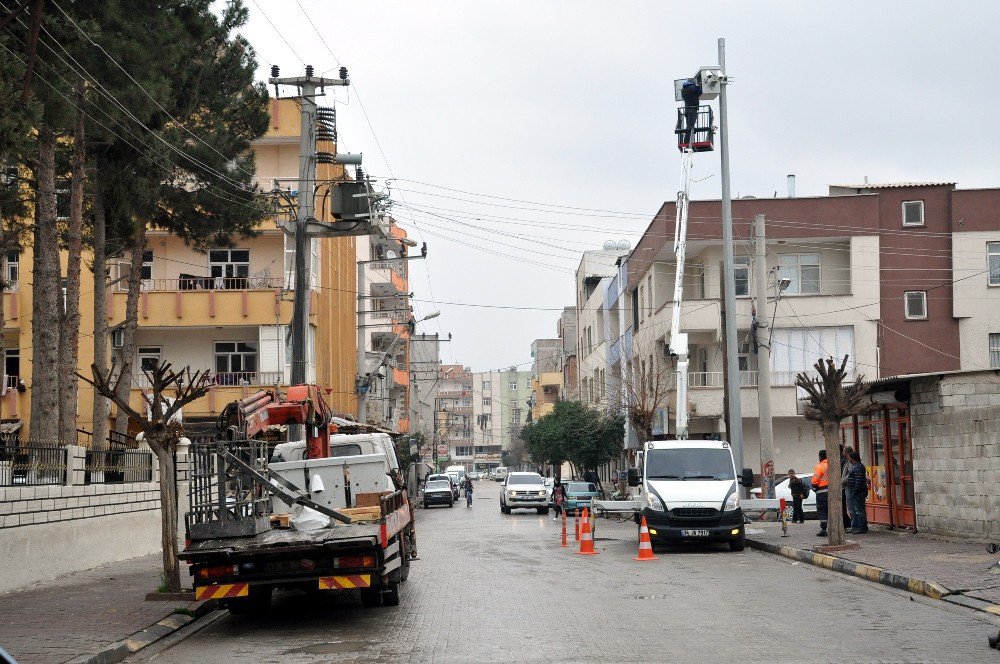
(558, 496)
(468, 491)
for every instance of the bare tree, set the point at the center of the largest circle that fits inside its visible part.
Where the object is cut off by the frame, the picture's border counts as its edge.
(646, 391)
(161, 433)
(829, 402)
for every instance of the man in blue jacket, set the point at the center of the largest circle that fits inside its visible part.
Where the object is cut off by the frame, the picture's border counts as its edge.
(856, 483)
(691, 94)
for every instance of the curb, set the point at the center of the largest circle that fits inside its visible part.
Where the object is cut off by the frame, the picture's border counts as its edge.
(859, 570)
(119, 650)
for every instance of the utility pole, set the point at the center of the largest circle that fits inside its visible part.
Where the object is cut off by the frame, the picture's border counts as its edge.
(763, 361)
(725, 352)
(729, 333)
(307, 86)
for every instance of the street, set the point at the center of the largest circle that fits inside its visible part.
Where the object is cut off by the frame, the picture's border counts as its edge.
(493, 587)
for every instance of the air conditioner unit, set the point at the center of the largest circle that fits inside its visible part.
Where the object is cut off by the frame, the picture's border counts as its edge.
(118, 338)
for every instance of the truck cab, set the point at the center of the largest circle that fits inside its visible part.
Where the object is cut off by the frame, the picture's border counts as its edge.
(689, 492)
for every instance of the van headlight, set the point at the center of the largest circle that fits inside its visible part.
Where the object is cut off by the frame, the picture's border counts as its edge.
(654, 503)
(732, 502)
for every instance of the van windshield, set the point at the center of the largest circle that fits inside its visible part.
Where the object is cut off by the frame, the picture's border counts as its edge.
(689, 463)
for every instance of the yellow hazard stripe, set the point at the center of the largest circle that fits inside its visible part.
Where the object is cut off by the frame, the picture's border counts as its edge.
(345, 582)
(222, 591)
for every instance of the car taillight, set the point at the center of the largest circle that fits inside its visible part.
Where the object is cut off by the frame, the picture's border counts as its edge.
(354, 561)
(217, 571)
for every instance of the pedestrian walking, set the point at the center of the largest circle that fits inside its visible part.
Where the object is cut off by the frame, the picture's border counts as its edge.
(558, 496)
(468, 492)
(799, 493)
(691, 94)
(821, 485)
(857, 491)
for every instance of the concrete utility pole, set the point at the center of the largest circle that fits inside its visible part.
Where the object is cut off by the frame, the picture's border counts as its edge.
(732, 367)
(763, 362)
(307, 86)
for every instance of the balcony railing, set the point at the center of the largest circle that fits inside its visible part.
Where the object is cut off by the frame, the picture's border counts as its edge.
(187, 282)
(230, 378)
(716, 379)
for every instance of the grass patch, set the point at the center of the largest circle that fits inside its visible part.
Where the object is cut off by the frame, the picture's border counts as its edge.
(162, 588)
(184, 612)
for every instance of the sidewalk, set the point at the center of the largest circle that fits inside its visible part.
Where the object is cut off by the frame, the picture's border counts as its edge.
(963, 569)
(82, 613)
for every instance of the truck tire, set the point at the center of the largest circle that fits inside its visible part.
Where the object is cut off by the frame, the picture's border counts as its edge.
(738, 544)
(257, 601)
(504, 508)
(390, 596)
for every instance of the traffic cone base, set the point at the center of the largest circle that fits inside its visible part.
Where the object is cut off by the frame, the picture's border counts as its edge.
(645, 545)
(586, 537)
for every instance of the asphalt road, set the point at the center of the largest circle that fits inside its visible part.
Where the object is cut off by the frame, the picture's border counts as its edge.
(491, 587)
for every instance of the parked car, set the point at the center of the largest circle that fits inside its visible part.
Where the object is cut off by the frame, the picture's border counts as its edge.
(524, 491)
(781, 490)
(473, 475)
(438, 492)
(579, 494)
(549, 486)
(451, 480)
(456, 481)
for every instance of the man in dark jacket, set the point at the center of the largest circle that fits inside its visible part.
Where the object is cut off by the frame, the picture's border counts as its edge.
(691, 94)
(799, 493)
(856, 482)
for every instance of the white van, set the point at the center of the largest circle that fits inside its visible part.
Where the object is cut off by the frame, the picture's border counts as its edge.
(458, 470)
(500, 473)
(690, 492)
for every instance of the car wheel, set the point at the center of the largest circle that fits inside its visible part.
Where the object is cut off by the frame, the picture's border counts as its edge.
(426, 506)
(738, 544)
(451, 503)
(504, 508)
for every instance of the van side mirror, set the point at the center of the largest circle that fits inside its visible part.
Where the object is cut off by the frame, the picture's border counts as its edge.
(746, 479)
(634, 479)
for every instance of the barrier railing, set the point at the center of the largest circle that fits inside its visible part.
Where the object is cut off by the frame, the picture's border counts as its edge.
(117, 466)
(31, 466)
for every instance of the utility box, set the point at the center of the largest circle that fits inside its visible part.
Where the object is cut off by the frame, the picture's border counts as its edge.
(710, 79)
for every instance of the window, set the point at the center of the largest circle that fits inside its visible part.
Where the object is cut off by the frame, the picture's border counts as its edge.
(649, 293)
(14, 270)
(234, 361)
(590, 339)
(147, 264)
(994, 352)
(802, 271)
(229, 267)
(149, 357)
(993, 262)
(741, 275)
(12, 365)
(463, 450)
(512, 386)
(487, 401)
(913, 213)
(62, 200)
(915, 303)
(486, 385)
(527, 383)
(642, 300)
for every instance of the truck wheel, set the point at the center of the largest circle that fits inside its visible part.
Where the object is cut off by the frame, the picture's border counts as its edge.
(257, 601)
(371, 597)
(738, 544)
(390, 596)
(504, 508)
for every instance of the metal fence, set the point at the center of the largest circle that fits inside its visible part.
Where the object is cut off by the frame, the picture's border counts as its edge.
(31, 466)
(117, 466)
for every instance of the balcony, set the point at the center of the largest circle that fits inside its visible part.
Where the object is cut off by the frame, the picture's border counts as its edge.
(261, 379)
(215, 301)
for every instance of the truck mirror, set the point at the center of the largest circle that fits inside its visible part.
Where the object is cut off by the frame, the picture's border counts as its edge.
(634, 478)
(746, 479)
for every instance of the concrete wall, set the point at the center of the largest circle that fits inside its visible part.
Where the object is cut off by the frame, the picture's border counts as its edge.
(955, 422)
(48, 531)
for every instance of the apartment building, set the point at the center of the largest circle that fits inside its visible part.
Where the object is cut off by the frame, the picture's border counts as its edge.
(500, 407)
(897, 276)
(227, 310)
(383, 271)
(566, 331)
(453, 416)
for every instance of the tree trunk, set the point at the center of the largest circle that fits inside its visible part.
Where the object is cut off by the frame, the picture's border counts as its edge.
(69, 341)
(3, 311)
(835, 521)
(168, 513)
(100, 416)
(131, 323)
(46, 298)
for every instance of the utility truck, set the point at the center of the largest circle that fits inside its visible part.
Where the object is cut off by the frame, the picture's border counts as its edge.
(687, 490)
(327, 513)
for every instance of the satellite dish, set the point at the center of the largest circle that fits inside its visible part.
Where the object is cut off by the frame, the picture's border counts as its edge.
(610, 244)
(624, 245)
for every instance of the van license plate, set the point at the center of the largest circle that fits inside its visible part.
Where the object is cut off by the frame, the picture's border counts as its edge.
(694, 533)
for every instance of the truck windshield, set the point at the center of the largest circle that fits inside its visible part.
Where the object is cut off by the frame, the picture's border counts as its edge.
(689, 463)
(526, 479)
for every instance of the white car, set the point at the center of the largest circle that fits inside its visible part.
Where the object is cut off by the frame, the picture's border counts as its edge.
(781, 490)
(524, 491)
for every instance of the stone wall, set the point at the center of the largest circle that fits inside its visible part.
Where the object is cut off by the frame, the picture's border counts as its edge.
(955, 422)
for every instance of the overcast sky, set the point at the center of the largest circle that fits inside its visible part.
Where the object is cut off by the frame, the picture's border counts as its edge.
(571, 103)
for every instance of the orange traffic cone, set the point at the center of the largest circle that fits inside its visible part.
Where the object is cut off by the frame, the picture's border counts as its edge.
(586, 537)
(576, 522)
(564, 530)
(645, 545)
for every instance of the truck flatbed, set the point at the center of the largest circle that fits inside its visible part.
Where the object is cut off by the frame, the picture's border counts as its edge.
(286, 540)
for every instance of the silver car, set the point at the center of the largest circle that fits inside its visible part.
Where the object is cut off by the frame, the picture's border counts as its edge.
(524, 491)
